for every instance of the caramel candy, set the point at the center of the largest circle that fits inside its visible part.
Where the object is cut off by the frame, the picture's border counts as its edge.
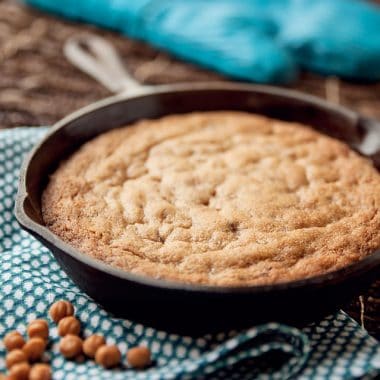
(61, 309)
(69, 325)
(13, 340)
(34, 348)
(19, 371)
(108, 356)
(40, 372)
(38, 328)
(14, 357)
(139, 357)
(70, 346)
(92, 344)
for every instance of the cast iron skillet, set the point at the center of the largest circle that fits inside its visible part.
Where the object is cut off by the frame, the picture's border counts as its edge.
(173, 306)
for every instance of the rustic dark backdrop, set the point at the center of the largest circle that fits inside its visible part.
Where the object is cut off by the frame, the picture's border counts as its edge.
(38, 87)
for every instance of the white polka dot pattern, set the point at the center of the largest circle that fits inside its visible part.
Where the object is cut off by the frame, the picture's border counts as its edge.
(336, 348)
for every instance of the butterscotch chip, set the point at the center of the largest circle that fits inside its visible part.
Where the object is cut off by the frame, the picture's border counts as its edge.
(68, 325)
(19, 371)
(139, 357)
(34, 348)
(70, 346)
(220, 198)
(14, 357)
(61, 309)
(108, 356)
(40, 371)
(92, 344)
(38, 328)
(13, 340)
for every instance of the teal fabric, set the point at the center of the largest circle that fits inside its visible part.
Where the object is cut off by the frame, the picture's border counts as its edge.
(265, 41)
(334, 348)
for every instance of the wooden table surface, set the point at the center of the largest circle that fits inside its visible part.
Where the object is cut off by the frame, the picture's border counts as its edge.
(38, 87)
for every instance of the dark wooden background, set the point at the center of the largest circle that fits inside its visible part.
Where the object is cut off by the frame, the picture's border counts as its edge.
(38, 87)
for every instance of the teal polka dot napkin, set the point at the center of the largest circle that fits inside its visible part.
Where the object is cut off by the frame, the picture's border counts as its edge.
(334, 348)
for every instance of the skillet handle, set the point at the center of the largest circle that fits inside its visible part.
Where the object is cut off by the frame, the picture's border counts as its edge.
(96, 57)
(370, 142)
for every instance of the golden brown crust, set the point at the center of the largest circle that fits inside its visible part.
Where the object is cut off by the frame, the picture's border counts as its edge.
(218, 198)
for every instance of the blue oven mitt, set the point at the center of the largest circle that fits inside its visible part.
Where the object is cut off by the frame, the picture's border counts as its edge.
(264, 41)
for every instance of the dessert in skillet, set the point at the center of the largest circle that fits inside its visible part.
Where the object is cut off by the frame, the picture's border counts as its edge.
(217, 198)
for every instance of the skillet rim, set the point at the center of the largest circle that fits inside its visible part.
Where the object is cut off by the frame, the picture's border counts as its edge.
(359, 268)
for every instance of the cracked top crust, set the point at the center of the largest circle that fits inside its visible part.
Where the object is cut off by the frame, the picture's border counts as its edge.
(217, 198)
